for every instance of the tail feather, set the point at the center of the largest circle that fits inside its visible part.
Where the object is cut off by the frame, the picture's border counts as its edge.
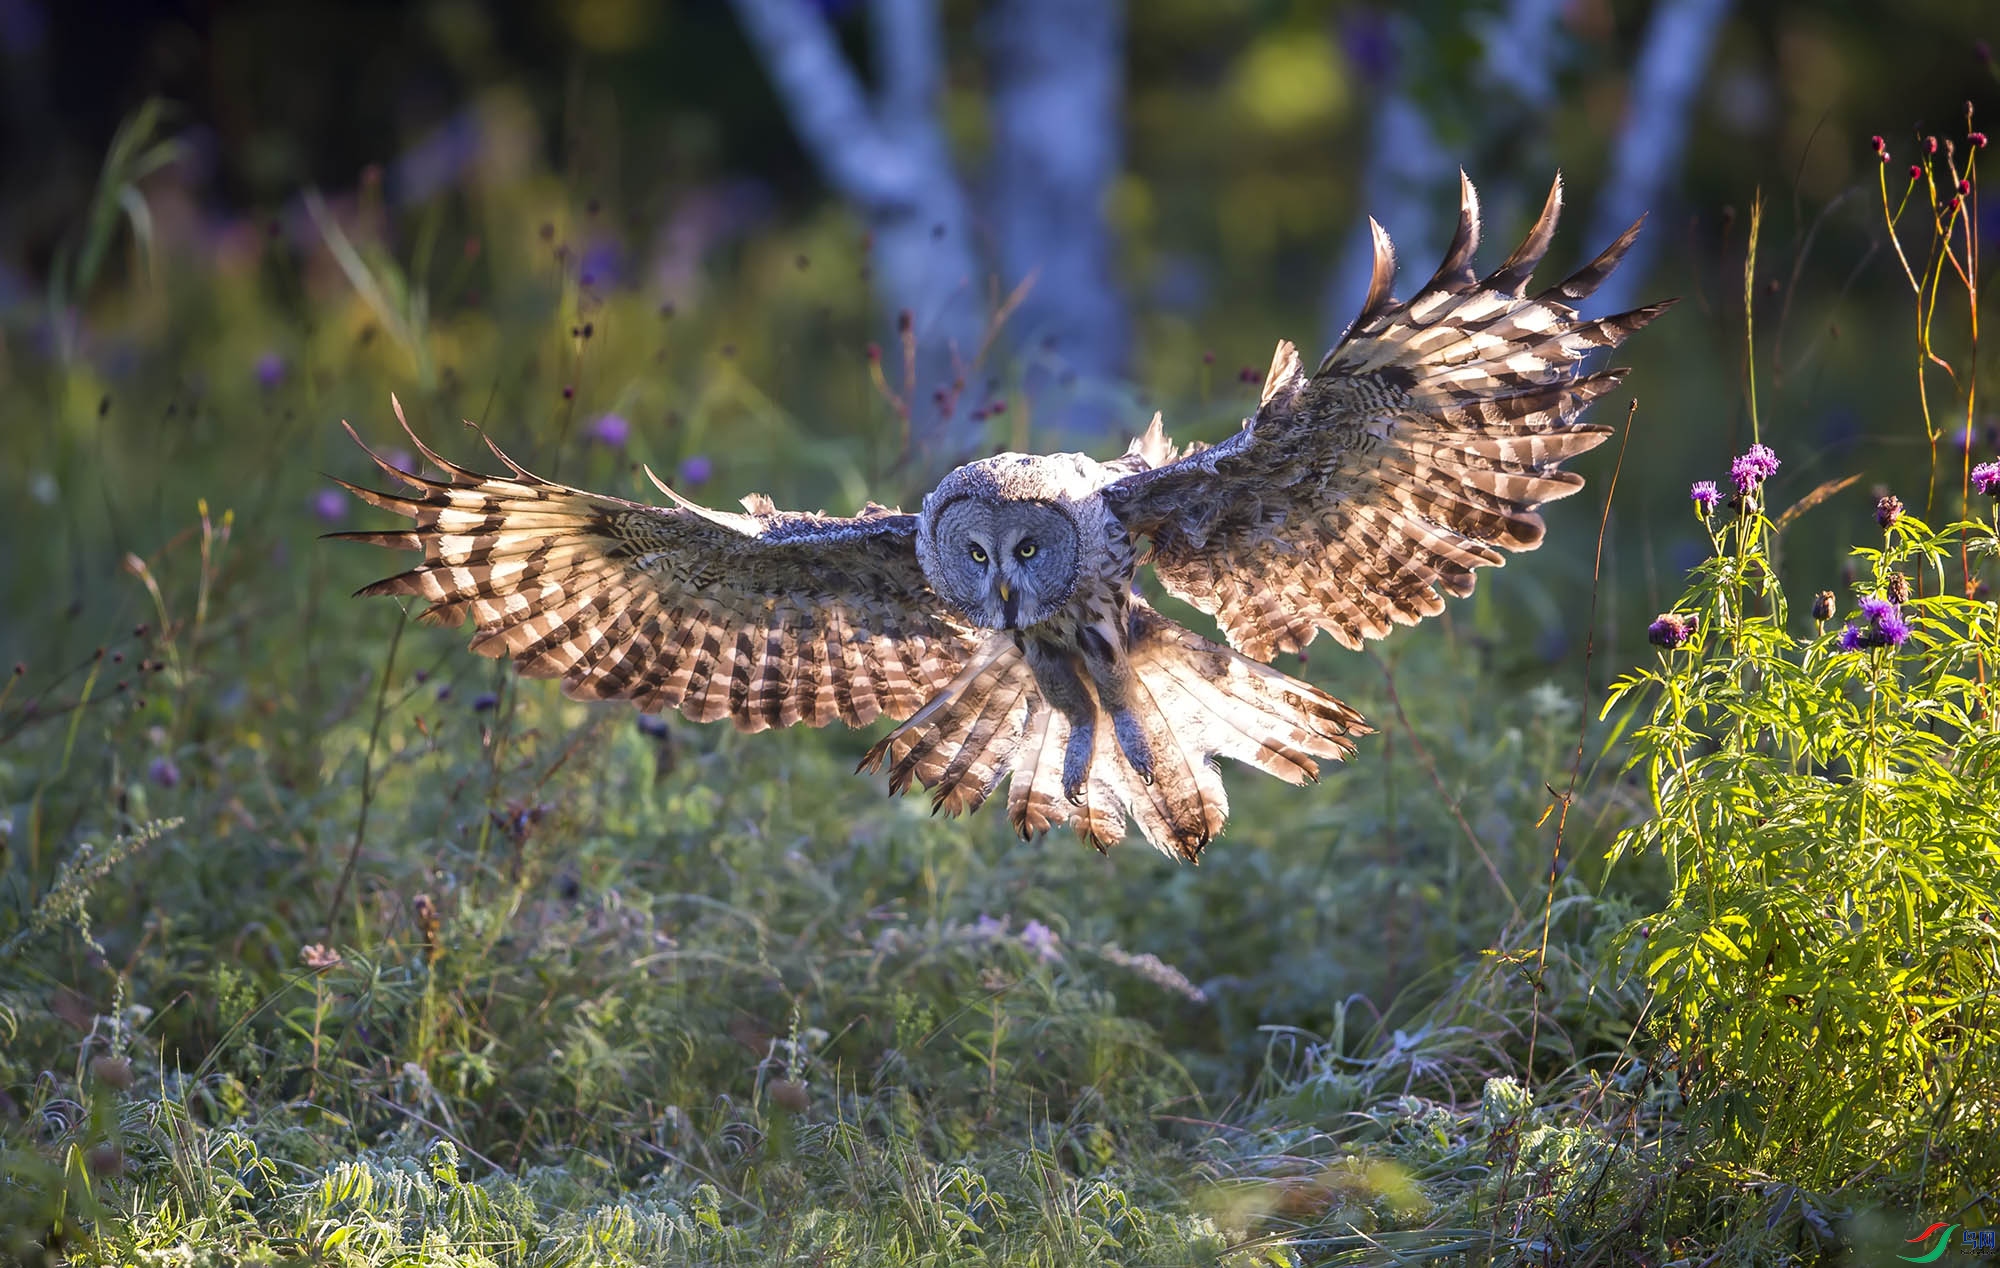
(1196, 702)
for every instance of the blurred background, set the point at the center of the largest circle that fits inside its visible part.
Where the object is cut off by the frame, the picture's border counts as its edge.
(616, 231)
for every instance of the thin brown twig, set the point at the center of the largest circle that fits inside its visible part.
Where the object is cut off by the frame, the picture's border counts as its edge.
(367, 779)
(1437, 781)
(1582, 728)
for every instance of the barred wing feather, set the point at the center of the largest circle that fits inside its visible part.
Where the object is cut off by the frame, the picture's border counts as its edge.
(1359, 495)
(768, 618)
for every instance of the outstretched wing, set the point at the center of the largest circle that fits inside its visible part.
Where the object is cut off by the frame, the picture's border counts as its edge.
(1416, 452)
(767, 618)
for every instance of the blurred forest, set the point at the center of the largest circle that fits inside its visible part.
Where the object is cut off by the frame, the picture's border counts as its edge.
(500, 155)
(321, 937)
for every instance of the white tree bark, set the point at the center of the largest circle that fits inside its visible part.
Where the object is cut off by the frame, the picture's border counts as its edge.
(890, 160)
(1410, 179)
(1680, 36)
(1058, 75)
(1058, 85)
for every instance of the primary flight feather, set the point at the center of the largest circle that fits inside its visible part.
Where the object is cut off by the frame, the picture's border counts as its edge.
(999, 623)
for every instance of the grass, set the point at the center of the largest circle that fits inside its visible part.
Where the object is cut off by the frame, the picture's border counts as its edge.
(324, 940)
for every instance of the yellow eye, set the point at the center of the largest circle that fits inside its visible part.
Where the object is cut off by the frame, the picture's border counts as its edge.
(978, 555)
(1026, 550)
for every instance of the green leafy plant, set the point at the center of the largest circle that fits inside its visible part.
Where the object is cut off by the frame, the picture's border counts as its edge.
(1825, 796)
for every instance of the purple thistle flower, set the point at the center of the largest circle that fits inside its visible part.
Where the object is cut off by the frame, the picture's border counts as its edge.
(1705, 496)
(696, 470)
(1986, 478)
(1756, 465)
(1671, 630)
(330, 505)
(270, 370)
(611, 431)
(1885, 628)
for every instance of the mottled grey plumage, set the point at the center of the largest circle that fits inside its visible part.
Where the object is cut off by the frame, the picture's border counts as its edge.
(1000, 622)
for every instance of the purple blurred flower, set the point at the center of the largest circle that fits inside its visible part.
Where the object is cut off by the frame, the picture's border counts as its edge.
(696, 470)
(270, 370)
(1705, 495)
(1986, 478)
(603, 263)
(1671, 629)
(989, 927)
(1041, 939)
(330, 505)
(483, 701)
(1757, 465)
(611, 431)
(163, 772)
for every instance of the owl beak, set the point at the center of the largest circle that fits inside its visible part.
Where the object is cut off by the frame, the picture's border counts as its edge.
(1010, 605)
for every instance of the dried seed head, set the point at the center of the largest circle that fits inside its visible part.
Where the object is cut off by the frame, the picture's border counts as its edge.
(1822, 608)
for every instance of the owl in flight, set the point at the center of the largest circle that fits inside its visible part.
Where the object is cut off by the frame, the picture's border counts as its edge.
(1000, 623)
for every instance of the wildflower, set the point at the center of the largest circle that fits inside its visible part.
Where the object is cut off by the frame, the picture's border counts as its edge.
(1822, 608)
(318, 957)
(1881, 148)
(1888, 509)
(1986, 478)
(1899, 589)
(330, 506)
(611, 431)
(1978, 140)
(1705, 496)
(1885, 627)
(696, 470)
(270, 370)
(1916, 173)
(1965, 188)
(653, 726)
(484, 701)
(1041, 939)
(163, 772)
(1671, 630)
(986, 927)
(1757, 464)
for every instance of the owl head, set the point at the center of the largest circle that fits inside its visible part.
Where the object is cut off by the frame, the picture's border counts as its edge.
(1005, 562)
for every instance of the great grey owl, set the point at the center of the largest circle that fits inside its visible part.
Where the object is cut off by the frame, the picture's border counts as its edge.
(1001, 622)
